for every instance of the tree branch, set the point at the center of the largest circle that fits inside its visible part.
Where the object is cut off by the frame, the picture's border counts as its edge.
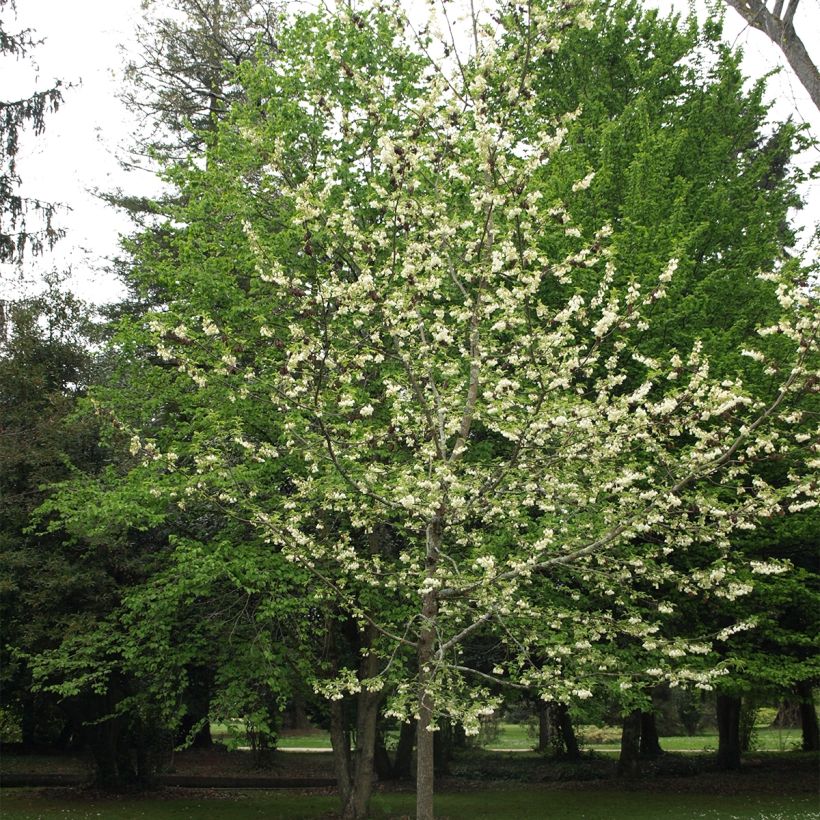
(780, 30)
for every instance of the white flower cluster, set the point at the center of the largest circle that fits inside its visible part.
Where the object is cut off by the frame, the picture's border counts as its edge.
(768, 567)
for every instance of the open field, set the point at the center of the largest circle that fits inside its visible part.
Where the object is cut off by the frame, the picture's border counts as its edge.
(518, 803)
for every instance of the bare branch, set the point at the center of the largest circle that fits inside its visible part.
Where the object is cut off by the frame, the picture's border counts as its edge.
(780, 30)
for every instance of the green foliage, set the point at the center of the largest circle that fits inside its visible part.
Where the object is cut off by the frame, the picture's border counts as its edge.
(44, 366)
(686, 164)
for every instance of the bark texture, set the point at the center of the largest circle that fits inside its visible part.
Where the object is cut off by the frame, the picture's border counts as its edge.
(340, 741)
(367, 720)
(778, 25)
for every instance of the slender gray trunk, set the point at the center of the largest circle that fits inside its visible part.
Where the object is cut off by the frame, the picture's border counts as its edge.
(425, 760)
(424, 739)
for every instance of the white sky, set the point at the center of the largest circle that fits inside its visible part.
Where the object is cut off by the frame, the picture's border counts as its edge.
(78, 152)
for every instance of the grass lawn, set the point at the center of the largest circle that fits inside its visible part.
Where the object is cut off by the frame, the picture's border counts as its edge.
(312, 741)
(768, 740)
(515, 736)
(289, 739)
(519, 803)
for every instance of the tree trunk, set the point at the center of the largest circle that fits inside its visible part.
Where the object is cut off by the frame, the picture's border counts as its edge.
(425, 757)
(126, 762)
(442, 748)
(367, 720)
(728, 721)
(144, 768)
(650, 743)
(202, 738)
(780, 30)
(808, 718)
(629, 761)
(300, 718)
(198, 706)
(340, 741)
(567, 732)
(381, 760)
(788, 715)
(103, 744)
(748, 722)
(28, 726)
(544, 727)
(403, 762)
(358, 801)
(425, 760)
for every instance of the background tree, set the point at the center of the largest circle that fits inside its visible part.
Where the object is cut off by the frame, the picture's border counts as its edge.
(45, 365)
(672, 190)
(181, 81)
(15, 233)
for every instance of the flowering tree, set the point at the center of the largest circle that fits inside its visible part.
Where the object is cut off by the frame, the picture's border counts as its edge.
(375, 307)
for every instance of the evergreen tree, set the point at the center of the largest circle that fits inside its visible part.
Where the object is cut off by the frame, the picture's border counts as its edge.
(45, 364)
(16, 209)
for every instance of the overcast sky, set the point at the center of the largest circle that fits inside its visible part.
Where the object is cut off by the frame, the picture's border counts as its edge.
(78, 153)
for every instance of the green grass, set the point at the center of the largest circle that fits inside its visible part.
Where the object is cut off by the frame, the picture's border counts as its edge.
(514, 736)
(768, 740)
(312, 741)
(511, 736)
(517, 736)
(531, 803)
(235, 734)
